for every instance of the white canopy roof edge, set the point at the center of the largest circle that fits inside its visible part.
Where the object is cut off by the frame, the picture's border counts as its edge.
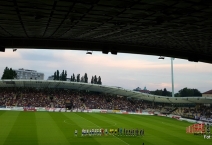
(103, 89)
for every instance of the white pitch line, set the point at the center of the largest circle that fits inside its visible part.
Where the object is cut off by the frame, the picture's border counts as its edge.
(100, 127)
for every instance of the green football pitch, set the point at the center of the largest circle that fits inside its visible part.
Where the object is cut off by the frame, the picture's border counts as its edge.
(56, 128)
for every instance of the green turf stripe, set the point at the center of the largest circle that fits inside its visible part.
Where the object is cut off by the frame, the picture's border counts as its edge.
(95, 120)
(153, 129)
(99, 122)
(87, 124)
(23, 131)
(7, 120)
(149, 126)
(68, 128)
(48, 130)
(75, 118)
(108, 118)
(163, 124)
(101, 118)
(168, 121)
(119, 123)
(58, 128)
(2, 112)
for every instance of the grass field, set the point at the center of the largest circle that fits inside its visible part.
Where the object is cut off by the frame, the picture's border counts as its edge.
(56, 128)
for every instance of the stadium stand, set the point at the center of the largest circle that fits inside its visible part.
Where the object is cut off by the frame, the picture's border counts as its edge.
(58, 98)
(198, 113)
(32, 97)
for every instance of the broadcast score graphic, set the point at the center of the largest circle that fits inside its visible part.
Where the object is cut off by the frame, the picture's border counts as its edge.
(199, 129)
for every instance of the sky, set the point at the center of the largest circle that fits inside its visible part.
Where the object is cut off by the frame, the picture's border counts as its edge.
(128, 71)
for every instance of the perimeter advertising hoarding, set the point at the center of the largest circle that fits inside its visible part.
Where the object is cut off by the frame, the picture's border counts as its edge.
(29, 109)
(103, 111)
(188, 116)
(116, 111)
(5, 109)
(136, 113)
(96, 110)
(17, 108)
(109, 111)
(41, 109)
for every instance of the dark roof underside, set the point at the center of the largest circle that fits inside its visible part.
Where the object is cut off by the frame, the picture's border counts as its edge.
(180, 29)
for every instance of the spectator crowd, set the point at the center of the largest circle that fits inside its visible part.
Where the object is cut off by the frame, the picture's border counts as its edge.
(199, 112)
(59, 98)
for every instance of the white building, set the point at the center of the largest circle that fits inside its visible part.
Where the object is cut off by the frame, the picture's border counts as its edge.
(29, 74)
(51, 77)
(207, 94)
(142, 91)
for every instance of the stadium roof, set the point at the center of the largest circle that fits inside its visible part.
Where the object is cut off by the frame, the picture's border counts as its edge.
(208, 92)
(103, 89)
(180, 29)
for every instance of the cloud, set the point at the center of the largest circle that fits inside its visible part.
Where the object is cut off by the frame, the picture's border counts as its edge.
(37, 55)
(162, 85)
(9, 54)
(124, 70)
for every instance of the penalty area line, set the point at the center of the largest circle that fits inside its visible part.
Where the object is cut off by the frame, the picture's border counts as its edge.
(100, 127)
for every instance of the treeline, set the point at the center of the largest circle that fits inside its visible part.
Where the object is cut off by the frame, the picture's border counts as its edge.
(95, 80)
(9, 73)
(76, 78)
(83, 79)
(185, 92)
(61, 77)
(161, 92)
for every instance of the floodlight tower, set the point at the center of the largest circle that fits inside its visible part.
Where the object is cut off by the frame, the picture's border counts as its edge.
(172, 73)
(172, 76)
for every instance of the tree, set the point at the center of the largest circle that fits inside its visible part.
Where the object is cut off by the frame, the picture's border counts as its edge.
(197, 92)
(73, 78)
(163, 92)
(92, 80)
(95, 80)
(9, 74)
(86, 78)
(58, 77)
(186, 92)
(5, 73)
(61, 76)
(55, 75)
(177, 95)
(78, 78)
(82, 79)
(14, 74)
(157, 92)
(99, 81)
(65, 75)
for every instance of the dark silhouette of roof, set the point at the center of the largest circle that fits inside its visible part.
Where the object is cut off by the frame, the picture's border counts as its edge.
(180, 29)
(208, 92)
